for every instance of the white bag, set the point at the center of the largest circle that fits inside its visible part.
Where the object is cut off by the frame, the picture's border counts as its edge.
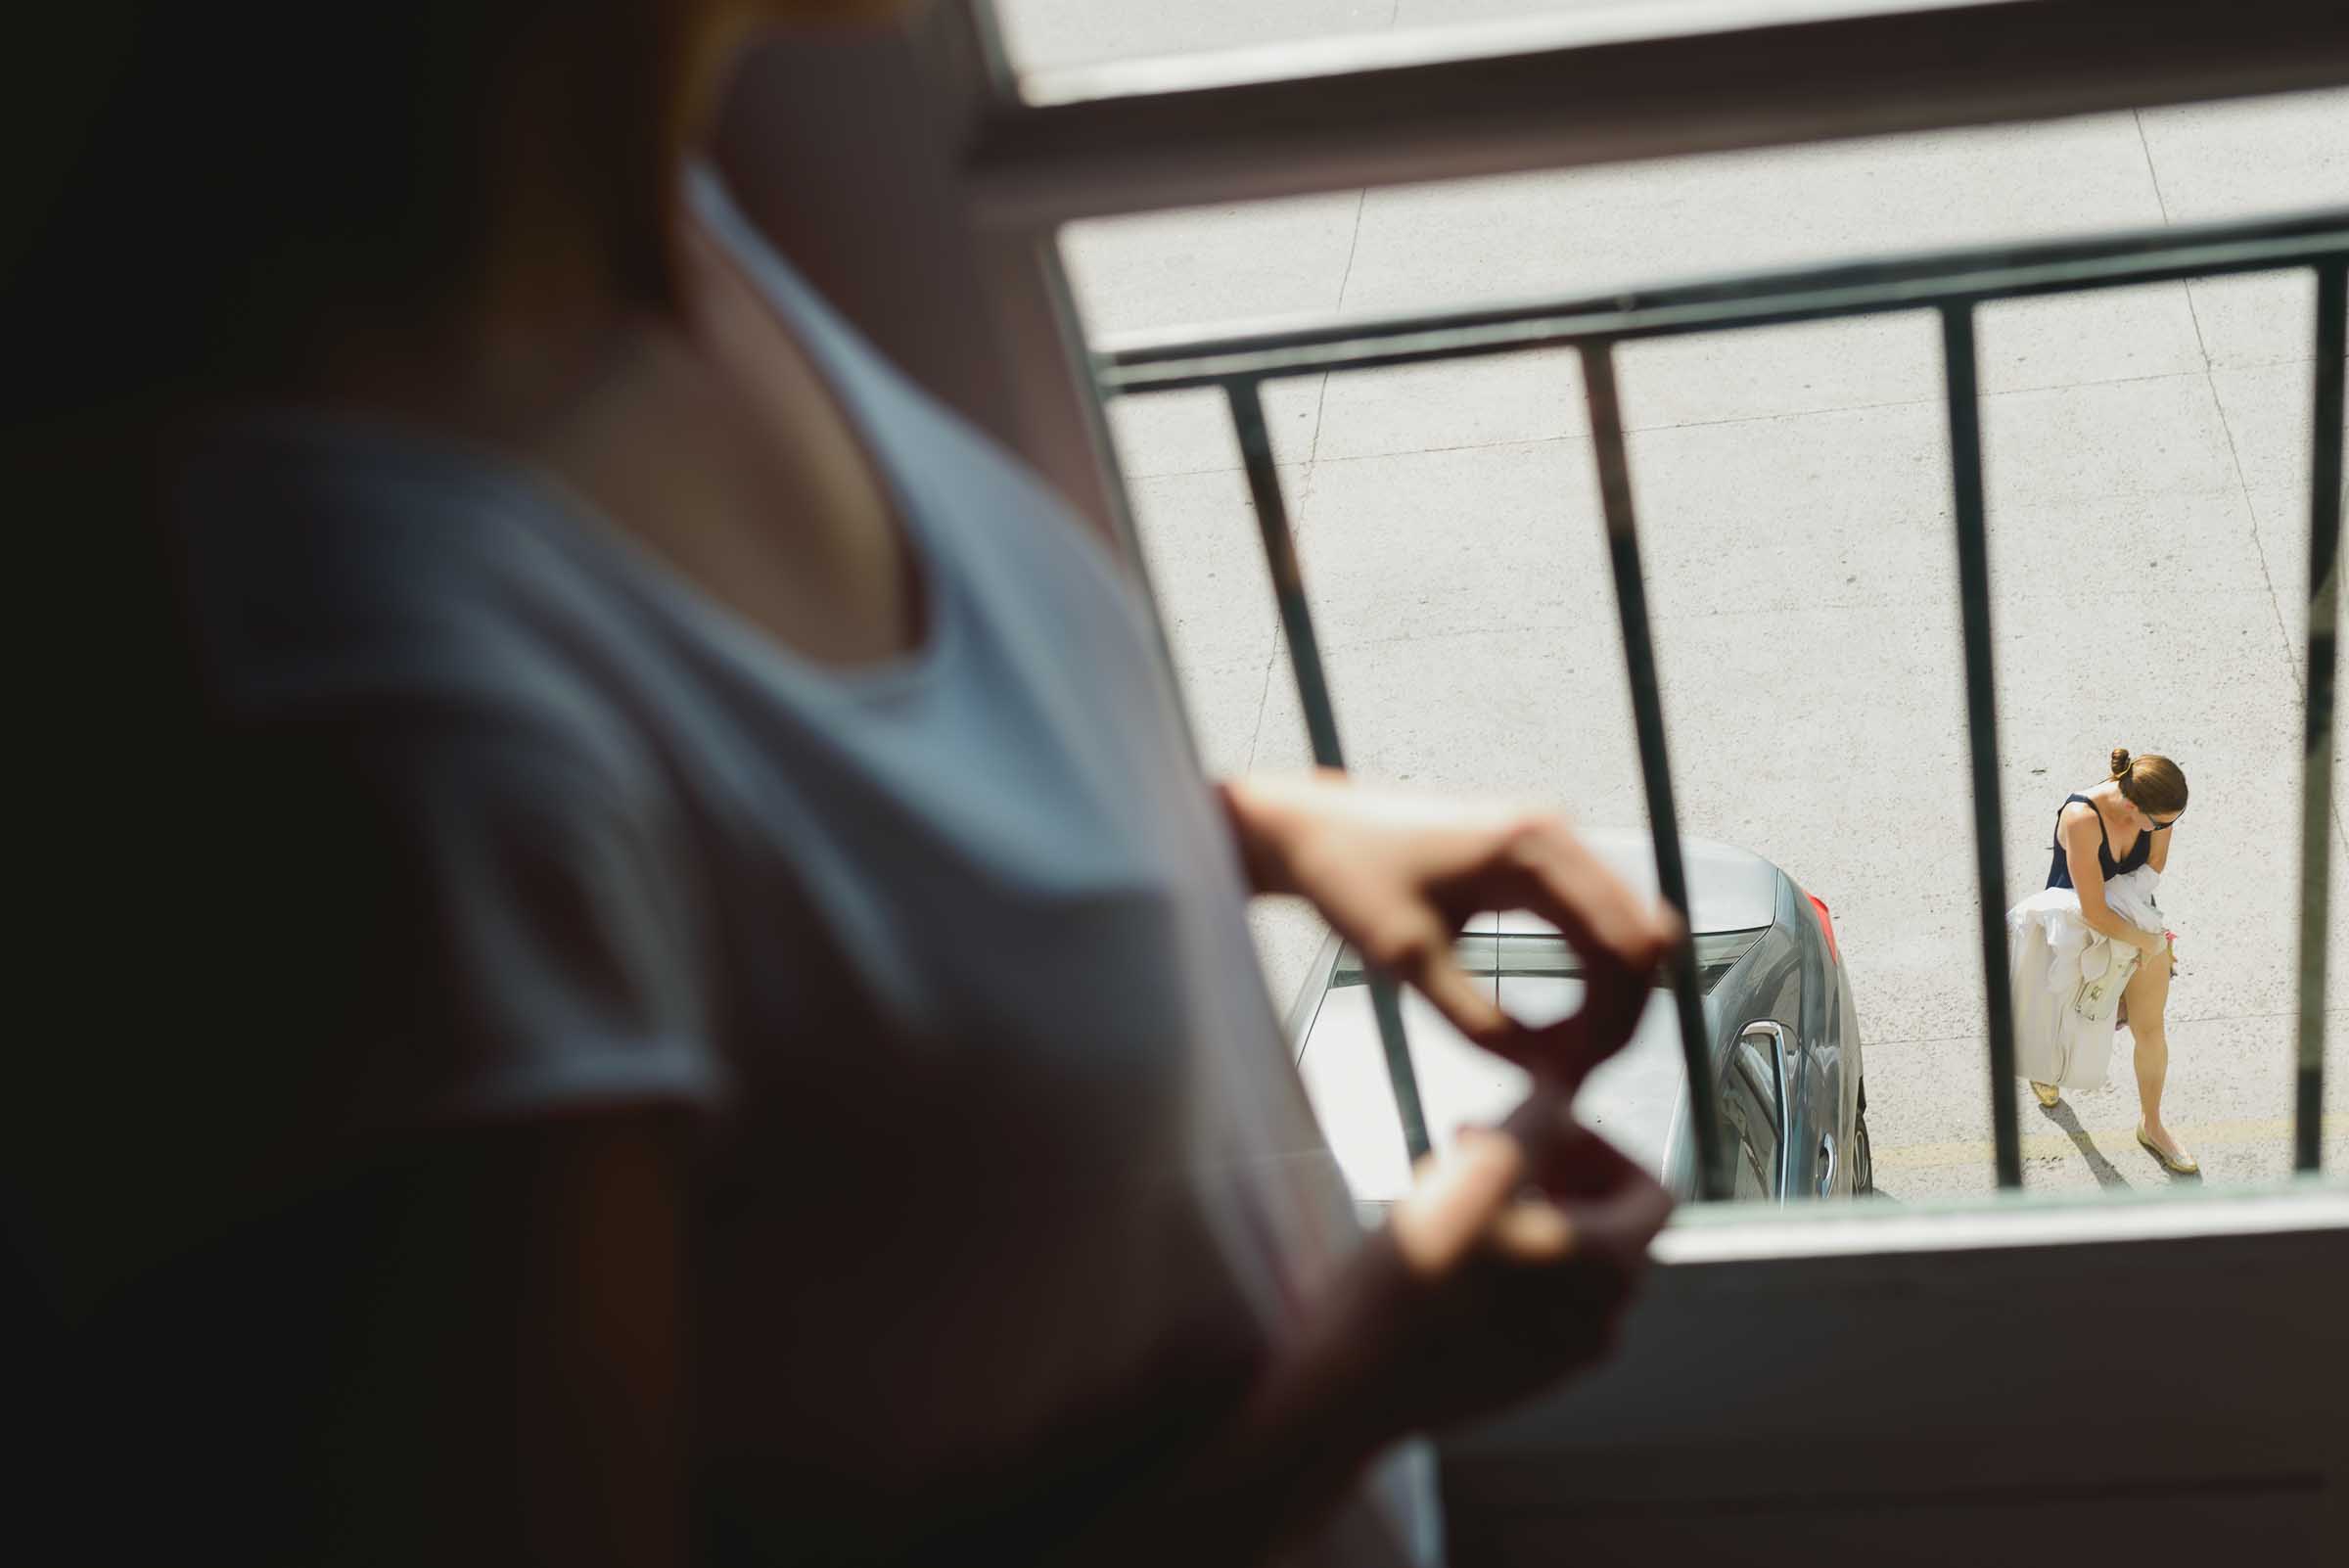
(2067, 978)
(2105, 969)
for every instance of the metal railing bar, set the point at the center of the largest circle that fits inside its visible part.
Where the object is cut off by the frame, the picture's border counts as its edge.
(1386, 1005)
(1647, 715)
(1288, 581)
(1320, 713)
(1962, 384)
(2134, 249)
(2316, 786)
(1759, 300)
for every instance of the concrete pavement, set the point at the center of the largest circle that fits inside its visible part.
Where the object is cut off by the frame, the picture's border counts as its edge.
(2147, 462)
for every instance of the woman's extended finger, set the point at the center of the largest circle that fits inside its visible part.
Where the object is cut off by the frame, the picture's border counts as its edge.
(1612, 1203)
(1531, 1230)
(1621, 940)
(1566, 1050)
(1468, 1007)
(1622, 1221)
(1568, 1161)
(1455, 1200)
(1571, 888)
(1415, 945)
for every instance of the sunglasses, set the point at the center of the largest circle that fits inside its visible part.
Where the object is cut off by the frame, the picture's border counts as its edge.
(2159, 825)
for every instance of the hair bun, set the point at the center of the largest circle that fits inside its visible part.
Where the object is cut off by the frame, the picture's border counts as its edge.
(2120, 761)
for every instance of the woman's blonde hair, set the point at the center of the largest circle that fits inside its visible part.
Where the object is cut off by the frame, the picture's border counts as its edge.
(2148, 783)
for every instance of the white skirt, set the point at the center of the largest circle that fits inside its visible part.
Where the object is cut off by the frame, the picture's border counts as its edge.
(2067, 978)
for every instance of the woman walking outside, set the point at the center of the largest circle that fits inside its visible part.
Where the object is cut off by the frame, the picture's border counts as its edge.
(2095, 944)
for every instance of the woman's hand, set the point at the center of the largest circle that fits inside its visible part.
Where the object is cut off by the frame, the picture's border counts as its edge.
(1513, 1258)
(2152, 944)
(1398, 874)
(1508, 1264)
(1506, 1269)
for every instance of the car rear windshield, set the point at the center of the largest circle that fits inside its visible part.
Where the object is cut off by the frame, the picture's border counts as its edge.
(1522, 953)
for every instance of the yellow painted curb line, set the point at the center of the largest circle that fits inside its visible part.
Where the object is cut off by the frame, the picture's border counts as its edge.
(2050, 1146)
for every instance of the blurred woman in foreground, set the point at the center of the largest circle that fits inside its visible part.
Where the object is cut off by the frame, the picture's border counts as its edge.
(680, 999)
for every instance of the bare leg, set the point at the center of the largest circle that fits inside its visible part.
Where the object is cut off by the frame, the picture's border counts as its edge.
(2147, 997)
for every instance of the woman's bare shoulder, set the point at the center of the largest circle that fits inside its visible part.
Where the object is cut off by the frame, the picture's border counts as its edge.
(2080, 819)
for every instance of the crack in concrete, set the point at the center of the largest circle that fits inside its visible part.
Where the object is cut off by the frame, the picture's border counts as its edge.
(2242, 481)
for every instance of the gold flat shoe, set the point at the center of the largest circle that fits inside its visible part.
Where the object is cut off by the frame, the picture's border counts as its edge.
(2048, 1095)
(2183, 1164)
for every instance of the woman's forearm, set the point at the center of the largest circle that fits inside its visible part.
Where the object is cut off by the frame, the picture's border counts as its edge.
(2102, 921)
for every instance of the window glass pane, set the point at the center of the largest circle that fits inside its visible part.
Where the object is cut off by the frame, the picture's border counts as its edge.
(1519, 955)
(2148, 464)
(1473, 953)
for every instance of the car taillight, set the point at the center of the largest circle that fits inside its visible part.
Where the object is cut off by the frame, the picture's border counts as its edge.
(1826, 925)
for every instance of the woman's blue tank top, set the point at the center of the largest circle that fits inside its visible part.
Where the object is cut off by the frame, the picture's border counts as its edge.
(2059, 874)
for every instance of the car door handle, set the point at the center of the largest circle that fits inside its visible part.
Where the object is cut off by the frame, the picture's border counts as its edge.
(1769, 1080)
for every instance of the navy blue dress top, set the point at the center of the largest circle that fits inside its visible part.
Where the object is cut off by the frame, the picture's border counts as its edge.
(2059, 874)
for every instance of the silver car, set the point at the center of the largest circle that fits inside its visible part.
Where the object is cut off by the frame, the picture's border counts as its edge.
(1786, 1041)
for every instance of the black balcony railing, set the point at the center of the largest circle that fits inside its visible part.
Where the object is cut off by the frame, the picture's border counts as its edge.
(1952, 284)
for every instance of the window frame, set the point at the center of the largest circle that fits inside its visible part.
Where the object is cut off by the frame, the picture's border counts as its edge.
(1750, 1385)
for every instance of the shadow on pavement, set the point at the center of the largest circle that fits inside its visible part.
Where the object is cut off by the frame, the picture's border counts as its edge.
(2107, 1174)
